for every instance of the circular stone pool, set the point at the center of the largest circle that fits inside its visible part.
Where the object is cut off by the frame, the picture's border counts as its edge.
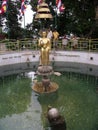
(23, 109)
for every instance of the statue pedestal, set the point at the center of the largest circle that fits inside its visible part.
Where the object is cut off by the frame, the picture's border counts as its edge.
(45, 70)
(39, 88)
(45, 86)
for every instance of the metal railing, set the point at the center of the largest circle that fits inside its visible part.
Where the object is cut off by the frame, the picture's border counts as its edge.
(90, 45)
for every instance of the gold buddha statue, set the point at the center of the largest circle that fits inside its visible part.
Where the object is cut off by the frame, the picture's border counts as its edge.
(45, 44)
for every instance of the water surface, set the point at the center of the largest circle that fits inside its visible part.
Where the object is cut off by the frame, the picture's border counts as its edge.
(23, 109)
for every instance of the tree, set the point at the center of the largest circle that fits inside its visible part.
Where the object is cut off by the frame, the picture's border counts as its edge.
(1, 17)
(78, 17)
(14, 29)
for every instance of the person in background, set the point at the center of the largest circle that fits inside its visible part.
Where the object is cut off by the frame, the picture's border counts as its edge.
(74, 42)
(64, 42)
(49, 34)
(55, 38)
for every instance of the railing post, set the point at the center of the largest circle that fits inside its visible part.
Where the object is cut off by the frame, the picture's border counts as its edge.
(89, 45)
(18, 44)
(80, 45)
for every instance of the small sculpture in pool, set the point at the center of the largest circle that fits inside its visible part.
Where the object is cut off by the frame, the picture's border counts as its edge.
(56, 121)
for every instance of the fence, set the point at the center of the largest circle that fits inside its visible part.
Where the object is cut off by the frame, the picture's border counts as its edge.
(90, 45)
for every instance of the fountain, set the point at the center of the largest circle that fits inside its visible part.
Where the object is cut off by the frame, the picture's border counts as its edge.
(44, 69)
(22, 109)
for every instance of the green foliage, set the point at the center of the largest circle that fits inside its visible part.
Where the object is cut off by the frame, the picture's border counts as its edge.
(14, 30)
(34, 4)
(78, 18)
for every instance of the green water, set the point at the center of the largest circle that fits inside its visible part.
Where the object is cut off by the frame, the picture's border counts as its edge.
(23, 109)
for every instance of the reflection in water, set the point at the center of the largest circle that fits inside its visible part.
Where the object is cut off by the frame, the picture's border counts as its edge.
(13, 90)
(23, 109)
(45, 99)
(19, 108)
(77, 101)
